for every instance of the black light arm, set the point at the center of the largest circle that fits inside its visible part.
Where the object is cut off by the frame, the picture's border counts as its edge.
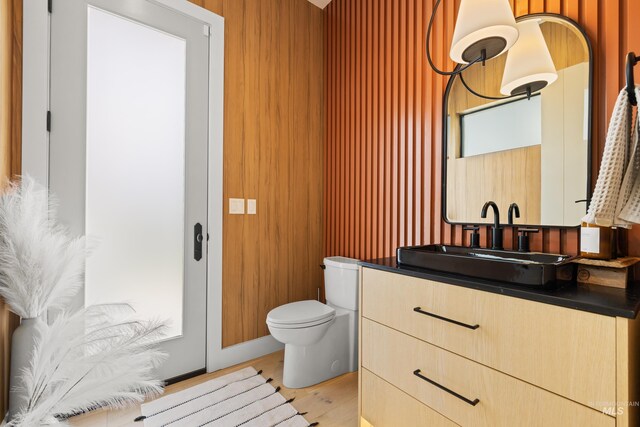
(481, 58)
(528, 93)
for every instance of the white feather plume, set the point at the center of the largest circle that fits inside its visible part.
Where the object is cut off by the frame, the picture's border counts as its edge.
(99, 356)
(41, 264)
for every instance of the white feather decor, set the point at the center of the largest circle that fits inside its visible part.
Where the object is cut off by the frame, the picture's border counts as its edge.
(98, 356)
(41, 265)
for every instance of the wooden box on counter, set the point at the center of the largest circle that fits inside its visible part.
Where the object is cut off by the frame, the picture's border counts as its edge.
(616, 273)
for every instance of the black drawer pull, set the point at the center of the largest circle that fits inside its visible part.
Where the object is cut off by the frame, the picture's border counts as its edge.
(441, 387)
(426, 313)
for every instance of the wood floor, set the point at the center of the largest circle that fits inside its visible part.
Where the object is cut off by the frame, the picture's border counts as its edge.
(333, 403)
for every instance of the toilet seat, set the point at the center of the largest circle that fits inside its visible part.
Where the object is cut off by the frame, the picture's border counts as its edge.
(301, 314)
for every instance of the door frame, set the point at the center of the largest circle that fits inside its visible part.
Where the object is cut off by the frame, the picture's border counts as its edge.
(35, 138)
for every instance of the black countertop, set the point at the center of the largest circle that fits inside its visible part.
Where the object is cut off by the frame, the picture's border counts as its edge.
(595, 299)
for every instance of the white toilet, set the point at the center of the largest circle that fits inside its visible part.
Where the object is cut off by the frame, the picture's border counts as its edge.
(321, 340)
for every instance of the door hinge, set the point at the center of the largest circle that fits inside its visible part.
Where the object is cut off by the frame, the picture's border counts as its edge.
(48, 121)
(50, 6)
(206, 30)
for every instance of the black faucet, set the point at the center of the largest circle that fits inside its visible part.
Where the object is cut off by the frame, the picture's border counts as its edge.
(496, 231)
(513, 207)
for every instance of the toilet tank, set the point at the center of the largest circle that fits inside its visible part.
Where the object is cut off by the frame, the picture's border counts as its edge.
(341, 282)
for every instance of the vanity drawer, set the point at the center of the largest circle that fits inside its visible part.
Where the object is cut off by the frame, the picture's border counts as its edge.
(502, 399)
(384, 405)
(568, 352)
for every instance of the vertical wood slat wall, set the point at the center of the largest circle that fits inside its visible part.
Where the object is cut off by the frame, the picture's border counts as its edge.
(273, 152)
(10, 150)
(384, 110)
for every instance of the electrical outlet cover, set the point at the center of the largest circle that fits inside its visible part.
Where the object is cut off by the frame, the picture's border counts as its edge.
(251, 206)
(236, 206)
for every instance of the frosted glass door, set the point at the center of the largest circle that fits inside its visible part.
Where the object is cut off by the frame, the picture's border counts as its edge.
(135, 166)
(128, 160)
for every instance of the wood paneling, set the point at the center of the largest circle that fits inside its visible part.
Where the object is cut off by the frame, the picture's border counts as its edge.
(273, 152)
(391, 131)
(10, 150)
(504, 176)
(215, 6)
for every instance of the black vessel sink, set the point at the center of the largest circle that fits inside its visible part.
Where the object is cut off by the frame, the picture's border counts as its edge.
(521, 268)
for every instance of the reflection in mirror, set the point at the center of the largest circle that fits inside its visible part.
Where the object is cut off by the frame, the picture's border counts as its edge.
(531, 151)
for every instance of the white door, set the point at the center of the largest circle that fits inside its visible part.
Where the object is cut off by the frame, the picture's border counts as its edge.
(128, 159)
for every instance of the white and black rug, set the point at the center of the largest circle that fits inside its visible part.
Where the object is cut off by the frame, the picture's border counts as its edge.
(241, 399)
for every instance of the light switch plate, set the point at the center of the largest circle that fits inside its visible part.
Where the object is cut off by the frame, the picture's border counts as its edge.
(236, 206)
(251, 206)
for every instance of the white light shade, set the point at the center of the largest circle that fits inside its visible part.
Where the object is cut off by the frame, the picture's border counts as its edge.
(486, 24)
(528, 61)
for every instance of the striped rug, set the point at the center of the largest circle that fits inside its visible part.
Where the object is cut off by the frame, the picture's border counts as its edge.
(241, 399)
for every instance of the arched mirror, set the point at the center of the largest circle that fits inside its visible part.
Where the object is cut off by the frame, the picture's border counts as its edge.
(534, 151)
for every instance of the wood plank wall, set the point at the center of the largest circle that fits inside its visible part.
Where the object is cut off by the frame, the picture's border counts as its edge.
(273, 152)
(10, 150)
(384, 110)
(274, 115)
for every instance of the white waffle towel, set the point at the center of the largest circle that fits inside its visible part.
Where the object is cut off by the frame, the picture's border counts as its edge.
(604, 202)
(629, 202)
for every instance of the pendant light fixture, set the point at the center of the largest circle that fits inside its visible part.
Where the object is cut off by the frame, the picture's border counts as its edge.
(487, 28)
(529, 67)
(484, 29)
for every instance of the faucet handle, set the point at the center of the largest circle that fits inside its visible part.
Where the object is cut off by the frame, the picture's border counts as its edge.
(523, 238)
(528, 230)
(475, 236)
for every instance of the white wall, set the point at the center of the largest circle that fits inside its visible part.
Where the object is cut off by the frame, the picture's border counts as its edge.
(564, 148)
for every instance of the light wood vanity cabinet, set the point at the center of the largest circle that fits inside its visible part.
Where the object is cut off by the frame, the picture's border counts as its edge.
(449, 355)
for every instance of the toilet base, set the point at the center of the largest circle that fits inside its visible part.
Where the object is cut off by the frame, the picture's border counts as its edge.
(335, 354)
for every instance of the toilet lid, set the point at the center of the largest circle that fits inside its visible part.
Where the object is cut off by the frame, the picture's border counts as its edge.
(295, 313)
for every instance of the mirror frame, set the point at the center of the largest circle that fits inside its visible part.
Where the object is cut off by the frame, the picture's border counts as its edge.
(445, 110)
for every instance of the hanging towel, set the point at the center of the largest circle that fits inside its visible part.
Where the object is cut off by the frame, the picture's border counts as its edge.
(629, 202)
(602, 209)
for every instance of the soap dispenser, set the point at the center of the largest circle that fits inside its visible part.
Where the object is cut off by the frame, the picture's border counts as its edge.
(597, 242)
(474, 236)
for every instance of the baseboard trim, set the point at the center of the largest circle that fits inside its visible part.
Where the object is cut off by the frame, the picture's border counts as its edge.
(239, 353)
(184, 377)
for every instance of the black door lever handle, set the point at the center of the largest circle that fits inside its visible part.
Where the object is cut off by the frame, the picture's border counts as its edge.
(197, 241)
